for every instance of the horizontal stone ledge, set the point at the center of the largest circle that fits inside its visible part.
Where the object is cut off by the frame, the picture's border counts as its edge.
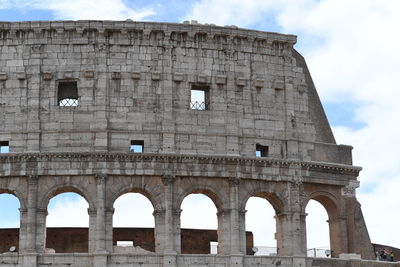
(165, 158)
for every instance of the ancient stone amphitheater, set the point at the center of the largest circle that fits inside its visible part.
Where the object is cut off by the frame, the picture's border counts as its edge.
(102, 108)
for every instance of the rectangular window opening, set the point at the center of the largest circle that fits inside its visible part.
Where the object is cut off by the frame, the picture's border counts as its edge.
(125, 243)
(213, 247)
(261, 151)
(137, 146)
(199, 97)
(4, 147)
(67, 94)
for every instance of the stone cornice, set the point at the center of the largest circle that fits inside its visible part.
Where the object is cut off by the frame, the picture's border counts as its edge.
(143, 33)
(164, 158)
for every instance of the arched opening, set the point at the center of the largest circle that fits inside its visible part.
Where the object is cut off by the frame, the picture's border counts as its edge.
(9, 223)
(199, 224)
(260, 227)
(318, 242)
(67, 224)
(133, 224)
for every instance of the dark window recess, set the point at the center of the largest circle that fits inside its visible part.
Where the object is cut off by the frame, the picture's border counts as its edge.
(200, 97)
(67, 94)
(4, 147)
(261, 151)
(137, 146)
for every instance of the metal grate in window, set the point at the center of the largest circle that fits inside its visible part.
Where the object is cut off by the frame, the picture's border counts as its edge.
(199, 105)
(68, 102)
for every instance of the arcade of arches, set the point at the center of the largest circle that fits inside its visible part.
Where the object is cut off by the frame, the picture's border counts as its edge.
(166, 195)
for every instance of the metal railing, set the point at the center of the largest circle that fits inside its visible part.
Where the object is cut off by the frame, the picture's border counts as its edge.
(68, 102)
(199, 105)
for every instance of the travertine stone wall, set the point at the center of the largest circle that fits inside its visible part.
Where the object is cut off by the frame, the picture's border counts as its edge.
(134, 82)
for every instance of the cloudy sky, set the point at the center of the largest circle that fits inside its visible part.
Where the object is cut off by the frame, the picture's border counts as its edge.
(351, 50)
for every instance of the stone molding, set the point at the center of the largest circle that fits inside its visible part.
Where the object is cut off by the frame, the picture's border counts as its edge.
(309, 165)
(130, 32)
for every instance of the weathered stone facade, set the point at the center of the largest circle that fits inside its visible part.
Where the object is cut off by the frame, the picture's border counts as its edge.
(133, 83)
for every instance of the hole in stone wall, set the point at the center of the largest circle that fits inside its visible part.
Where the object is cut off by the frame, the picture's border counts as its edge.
(9, 222)
(198, 214)
(133, 222)
(318, 241)
(67, 95)
(261, 151)
(4, 147)
(260, 221)
(199, 97)
(67, 224)
(137, 146)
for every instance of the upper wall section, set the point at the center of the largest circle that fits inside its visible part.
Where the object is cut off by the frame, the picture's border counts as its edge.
(173, 88)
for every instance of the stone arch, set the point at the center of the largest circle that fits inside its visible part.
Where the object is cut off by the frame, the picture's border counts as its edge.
(16, 194)
(216, 197)
(270, 195)
(66, 188)
(327, 200)
(206, 190)
(270, 192)
(337, 223)
(154, 199)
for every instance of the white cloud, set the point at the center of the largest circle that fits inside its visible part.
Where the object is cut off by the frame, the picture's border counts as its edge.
(68, 210)
(79, 10)
(198, 212)
(133, 210)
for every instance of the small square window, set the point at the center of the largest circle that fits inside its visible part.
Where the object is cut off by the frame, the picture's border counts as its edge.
(67, 95)
(261, 151)
(137, 146)
(199, 98)
(4, 147)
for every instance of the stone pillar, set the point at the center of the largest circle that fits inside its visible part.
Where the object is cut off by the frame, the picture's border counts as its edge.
(23, 215)
(338, 235)
(101, 213)
(169, 246)
(177, 230)
(109, 229)
(242, 231)
(224, 229)
(159, 231)
(31, 214)
(234, 220)
(92, 230)
(290, 224)
(41, 215)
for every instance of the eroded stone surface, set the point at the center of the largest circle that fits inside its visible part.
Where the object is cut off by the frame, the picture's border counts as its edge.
(78, 99)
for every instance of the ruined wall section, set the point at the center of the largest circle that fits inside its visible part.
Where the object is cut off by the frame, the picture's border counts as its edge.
(134, 83)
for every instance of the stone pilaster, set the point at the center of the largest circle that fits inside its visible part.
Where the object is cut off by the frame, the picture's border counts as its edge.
(177, 229)
(41, 215)
(234, 220)
(92, 230)
(101, 213)
(169, 246)
(224, 229)
(31, 214)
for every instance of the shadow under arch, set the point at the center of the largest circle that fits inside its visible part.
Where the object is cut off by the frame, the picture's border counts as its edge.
(10, 237)
(337, 226)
